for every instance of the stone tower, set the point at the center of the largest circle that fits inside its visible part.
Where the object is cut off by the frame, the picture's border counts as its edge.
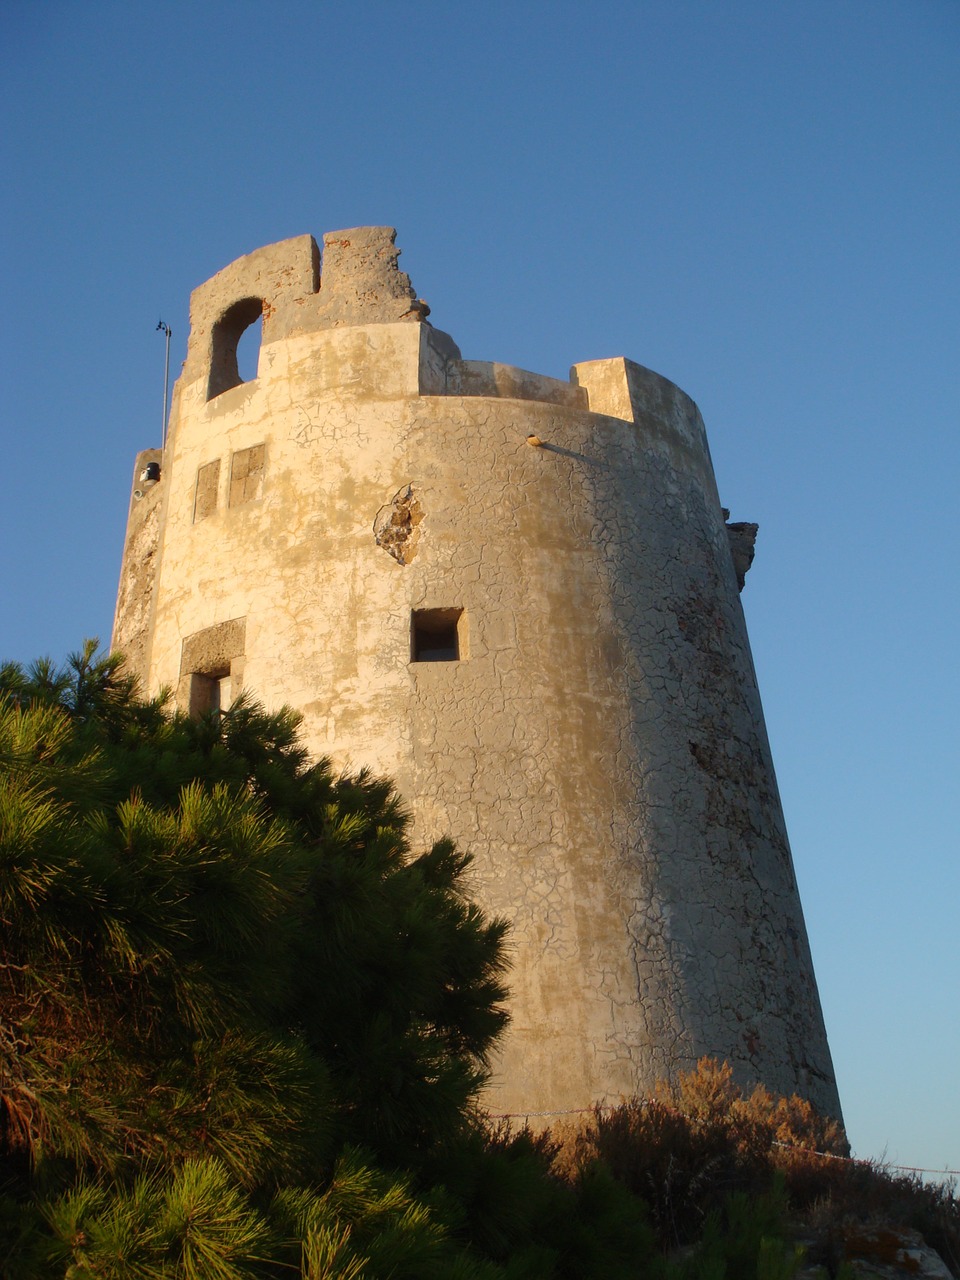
(517, 597)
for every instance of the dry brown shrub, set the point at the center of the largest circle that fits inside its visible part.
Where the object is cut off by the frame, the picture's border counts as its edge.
(696, 1141)
(683, 1168)
(706, 1095)
(576, 1145)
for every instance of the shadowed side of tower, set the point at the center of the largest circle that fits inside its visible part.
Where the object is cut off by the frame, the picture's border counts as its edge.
(516, 596)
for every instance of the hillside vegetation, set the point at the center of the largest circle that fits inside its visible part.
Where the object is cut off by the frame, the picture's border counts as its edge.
(244, 1030)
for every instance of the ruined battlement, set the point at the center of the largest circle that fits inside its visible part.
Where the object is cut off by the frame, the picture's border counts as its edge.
(360, 284)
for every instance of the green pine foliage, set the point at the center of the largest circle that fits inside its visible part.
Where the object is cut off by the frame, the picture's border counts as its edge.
(243, 1030)
(221, 965)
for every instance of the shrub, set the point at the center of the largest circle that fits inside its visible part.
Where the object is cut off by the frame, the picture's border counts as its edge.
(700, 1150)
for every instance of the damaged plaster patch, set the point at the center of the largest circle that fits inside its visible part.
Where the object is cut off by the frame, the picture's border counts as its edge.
(397, 526)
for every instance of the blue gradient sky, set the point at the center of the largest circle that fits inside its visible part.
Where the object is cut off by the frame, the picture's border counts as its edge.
(758, 200)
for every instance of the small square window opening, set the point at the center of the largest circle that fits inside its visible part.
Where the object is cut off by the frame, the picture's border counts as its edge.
(437, 635)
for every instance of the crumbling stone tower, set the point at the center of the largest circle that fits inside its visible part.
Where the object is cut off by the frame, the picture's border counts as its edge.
(517, 597)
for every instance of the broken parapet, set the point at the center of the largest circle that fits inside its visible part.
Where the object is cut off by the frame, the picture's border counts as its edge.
(743, 546)
(362, 282)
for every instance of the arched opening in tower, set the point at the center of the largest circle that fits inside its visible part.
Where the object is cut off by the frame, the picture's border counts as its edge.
(241, 319)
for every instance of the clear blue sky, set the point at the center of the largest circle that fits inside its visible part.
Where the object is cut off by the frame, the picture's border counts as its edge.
(757, 198)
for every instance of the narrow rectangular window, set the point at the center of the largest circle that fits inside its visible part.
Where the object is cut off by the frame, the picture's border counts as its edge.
(437, 635)
(208, 482)
(246, 475)
(211, 668)
(209, 692)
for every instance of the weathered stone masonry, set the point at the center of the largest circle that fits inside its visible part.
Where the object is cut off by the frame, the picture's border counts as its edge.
(518, 597)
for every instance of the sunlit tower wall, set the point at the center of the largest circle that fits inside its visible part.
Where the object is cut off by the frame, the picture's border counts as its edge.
(518, 597)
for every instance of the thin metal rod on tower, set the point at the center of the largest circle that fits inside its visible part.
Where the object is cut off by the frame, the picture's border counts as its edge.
(166, 383)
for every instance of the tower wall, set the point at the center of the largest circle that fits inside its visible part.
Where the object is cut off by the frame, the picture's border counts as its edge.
(599, 744)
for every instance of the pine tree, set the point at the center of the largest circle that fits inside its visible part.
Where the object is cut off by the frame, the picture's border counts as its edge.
(243, 1028)
(222, 969)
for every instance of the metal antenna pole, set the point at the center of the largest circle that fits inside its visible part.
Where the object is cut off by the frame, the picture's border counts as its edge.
(166, 383)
